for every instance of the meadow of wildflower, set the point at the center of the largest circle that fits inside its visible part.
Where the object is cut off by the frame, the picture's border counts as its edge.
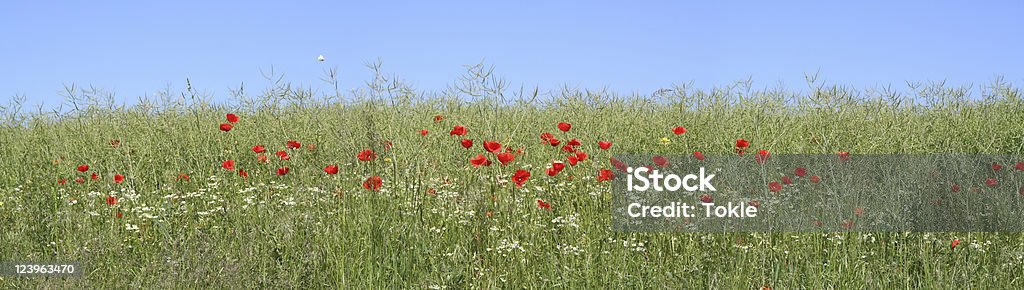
(477, 186)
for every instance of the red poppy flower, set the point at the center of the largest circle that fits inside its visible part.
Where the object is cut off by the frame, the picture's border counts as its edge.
(815, 179)
(574, 142)
(367, 155)
(226, 127)
(844, 156)
(95, 176)
(786, 180)
(438, 118)
(388, 145)
(492, 146)
(847, 224)
(564, 127)
(467, 143)
(604, 145)
(762, 156)
(505, 157)
(679, 130)
(79, 180)
(551, 171)
(120, 214)
(292, 144)
(228, 164)
(546, 136)
(582, 155)
(183, 176)
(61, 181)
(618, 164)
(261, 158)
(554, 142)
(558, 166)
(954, 243)
(424, 132)
(800, 171)
(282, 170)
(83, 168)
(698, 155)
(478, 160)
(605, 175)
(1019, 166)
(243, 173)
(259, 149)
(458, 131)
(858, 211)
(991, 182)
(572, 160)
(659, 160)
(997, 167)
(543, 205)
(774, 186)
(232, 118)
(373, 183)
(955, 188)
(520, 177)
(118, 178)
(740, 143)
(706, 198)
(111, 200)
(331, 169)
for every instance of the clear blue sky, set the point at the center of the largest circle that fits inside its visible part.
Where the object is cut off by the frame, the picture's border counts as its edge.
(135, 47)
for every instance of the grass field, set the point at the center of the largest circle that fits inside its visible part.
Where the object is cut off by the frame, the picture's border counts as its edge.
(439, 222)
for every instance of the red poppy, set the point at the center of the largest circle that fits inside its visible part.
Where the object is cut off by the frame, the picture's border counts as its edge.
(574, 142)
(228, 164)
(659, 160)
(243, 173)
(847, 224)
(996, 166)
(954, 243)
(388, 145)
(543, 205)
(118, 178)
(261, 158)
(259, 149)
(604, 145)
(79, 180)
(815, 179)
(774, 186)
(120, 214)
(698, 155)
(551, 171)
(568, 148)
(762, 156)
(546, 136)
(858, 211)
(618, 164)
(111, 200)
(582, 155)
(467, 143)
(800, 171)
(991, 182)
(706, 198)
(424, 132)
(520, 177)
(740, 143)
(95, 176)
(282, 170)
(564, 127)
(292, 144)
(366, 155)
(183, 176)
(505, 157)
(679, 130)
(604, 175)
(232, 118)
(1019, 166)
(492, 146)
(83, 168)
(786, 180)
(572, 160)
(226, 127)
(438, 118)
(955, 188)
(478, 160)
(373, 183)
(331, 169)
(61, 181)
(458, 131)
(844, 156)
(558, 166)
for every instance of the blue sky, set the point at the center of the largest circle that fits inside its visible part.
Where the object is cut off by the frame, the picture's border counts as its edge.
(133, 47)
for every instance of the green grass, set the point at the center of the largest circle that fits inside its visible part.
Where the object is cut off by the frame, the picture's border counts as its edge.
(311, 230)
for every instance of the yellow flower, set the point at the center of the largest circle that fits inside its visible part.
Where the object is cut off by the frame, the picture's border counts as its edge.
(665, 141)
(387, 159)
